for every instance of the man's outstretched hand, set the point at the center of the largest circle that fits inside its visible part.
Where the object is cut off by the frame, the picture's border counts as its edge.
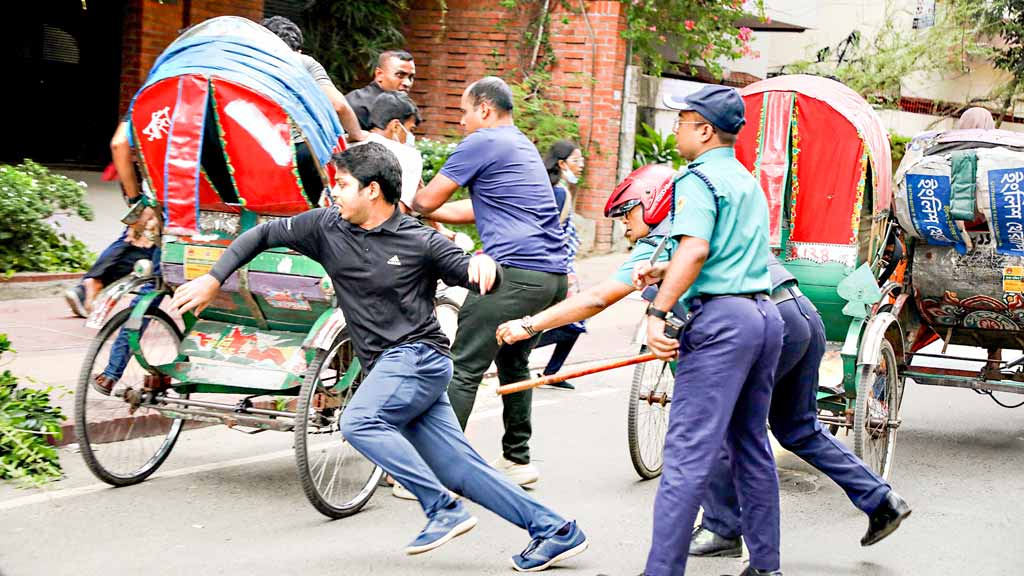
(195, 295)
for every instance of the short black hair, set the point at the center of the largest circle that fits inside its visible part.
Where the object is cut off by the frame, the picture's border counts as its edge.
(392, 105)
(372, 162)
(400, 54)
(286, 30)
(560, 150)
(493, 90)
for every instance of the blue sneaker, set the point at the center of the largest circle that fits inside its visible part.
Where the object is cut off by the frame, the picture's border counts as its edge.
(542, 553)
(445, 525)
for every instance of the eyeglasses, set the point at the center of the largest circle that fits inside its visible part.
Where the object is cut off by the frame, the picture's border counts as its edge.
(680, 122)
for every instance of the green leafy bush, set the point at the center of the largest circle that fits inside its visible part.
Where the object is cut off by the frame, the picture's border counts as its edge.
(899, 148)
(26, 420)
(434, 153)
(651, 148)
(543, 120)
(29, 194)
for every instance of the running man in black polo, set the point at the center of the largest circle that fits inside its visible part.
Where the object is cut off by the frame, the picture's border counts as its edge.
(385, 266)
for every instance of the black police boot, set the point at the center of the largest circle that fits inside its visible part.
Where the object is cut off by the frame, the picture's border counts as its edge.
(755, 572)
(706, 543)
(885, 519)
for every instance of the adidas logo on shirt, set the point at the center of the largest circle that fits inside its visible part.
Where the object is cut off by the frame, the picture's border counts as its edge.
(394, 261)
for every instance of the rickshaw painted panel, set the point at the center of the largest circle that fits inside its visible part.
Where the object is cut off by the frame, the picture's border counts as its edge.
(184, 146)
(150, 122)
(1007, 209)
(261, 157)
(830, 166)
(819, 283)
(225, 379)
(275, 260)
(246, 345)
(242, 51)
(856, 112)
(773, 160)
(980, 294)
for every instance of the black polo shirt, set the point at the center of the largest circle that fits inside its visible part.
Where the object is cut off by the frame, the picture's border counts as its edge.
(361, 101)
(385, 278)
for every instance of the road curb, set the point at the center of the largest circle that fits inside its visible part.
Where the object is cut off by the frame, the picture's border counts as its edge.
(26, 285)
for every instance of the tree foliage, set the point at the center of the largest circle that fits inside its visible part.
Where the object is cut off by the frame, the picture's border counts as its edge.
(1004, 20)
(29, 195)
(688, 31)
(346, 36)
(26, 420)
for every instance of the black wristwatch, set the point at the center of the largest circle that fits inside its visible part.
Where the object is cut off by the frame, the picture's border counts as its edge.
(652, 311)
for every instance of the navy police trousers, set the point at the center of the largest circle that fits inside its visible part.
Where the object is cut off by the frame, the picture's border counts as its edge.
(794, 421)
(723, 388)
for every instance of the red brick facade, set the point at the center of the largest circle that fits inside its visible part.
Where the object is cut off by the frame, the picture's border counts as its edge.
(150, 26)
(472, 39)
(478, 38)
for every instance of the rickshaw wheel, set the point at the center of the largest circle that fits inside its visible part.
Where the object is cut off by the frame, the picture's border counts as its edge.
(650, 399)
(336, 478)
(876, 417)
(134, 438)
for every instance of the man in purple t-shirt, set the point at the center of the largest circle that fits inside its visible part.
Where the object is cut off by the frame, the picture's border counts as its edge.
(514, 209)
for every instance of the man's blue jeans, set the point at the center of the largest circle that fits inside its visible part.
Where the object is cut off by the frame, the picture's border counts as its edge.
(120, 353)
(400, 419)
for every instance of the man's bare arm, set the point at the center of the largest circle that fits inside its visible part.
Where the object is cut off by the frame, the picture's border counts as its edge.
(433, 195)
(346, 114)
(121, 151)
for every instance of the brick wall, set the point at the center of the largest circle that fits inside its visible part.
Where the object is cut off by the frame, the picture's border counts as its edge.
(478, 38)
(150, 26)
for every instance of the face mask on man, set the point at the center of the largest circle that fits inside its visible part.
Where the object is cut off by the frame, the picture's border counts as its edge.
(410, 138)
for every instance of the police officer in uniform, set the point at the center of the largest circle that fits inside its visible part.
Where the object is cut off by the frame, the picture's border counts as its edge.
(729, 350)
(794, 422)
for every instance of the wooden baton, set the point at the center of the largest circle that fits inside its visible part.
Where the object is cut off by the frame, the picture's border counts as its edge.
(563, 376)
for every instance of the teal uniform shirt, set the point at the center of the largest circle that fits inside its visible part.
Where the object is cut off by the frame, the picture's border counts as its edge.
(737, 231)
(642, 252)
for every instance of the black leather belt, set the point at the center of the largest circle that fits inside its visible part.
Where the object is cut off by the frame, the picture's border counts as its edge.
(749, 296)
(786, 294)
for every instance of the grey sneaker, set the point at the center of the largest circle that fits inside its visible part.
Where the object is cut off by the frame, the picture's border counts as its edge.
(75, 297)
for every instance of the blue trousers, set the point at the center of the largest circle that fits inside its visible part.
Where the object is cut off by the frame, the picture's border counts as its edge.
(120, 352)
(400, 419)
(564, 338)
(723, 388)
(794, 421)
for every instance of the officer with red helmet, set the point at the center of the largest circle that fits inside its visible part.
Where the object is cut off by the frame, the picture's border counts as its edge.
(643, 201)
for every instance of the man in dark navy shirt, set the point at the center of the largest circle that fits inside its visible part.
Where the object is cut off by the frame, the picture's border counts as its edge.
(385, 266)
(514, 208)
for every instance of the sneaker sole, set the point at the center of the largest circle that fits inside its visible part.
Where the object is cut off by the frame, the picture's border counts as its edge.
(570, 553)
(892, 528)
(76, 307)
(458, 530)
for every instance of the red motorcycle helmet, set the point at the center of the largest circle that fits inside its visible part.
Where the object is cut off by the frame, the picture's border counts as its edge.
(650, 186)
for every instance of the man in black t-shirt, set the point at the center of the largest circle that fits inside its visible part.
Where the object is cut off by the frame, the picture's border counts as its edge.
(385, 267)
(395, 71)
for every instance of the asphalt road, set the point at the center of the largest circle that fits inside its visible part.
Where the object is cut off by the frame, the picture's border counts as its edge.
(227, 503)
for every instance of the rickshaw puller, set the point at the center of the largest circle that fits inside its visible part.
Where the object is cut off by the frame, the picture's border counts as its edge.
(729, 350)
(794, 422)
(385, 266)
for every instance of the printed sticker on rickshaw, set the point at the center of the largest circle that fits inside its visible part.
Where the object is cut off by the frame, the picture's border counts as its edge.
(200, 259)
(1013, 280)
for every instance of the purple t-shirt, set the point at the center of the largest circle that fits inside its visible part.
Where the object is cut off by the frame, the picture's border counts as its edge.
(513, 203)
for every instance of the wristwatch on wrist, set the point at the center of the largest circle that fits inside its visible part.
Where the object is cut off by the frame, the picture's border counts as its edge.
(652, 311)
(527, 323)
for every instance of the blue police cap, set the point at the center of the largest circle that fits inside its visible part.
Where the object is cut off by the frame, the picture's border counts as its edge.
(720, 105)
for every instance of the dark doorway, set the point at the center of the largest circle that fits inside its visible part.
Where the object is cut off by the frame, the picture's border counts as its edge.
(63, 83)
